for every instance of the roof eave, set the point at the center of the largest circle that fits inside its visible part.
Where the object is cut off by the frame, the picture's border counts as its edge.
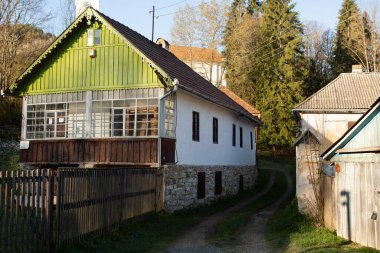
(248, 116)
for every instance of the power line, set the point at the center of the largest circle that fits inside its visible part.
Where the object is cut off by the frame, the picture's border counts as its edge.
(263, 58)
(171, 13)
(286, 31)
(168, 6)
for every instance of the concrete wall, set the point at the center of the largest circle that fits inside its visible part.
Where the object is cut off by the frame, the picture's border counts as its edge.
(205, 152)
(180, 183)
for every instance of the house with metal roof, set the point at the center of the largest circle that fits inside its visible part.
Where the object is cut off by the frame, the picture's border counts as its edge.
(355, 158)
(326, 116)
(104, 95)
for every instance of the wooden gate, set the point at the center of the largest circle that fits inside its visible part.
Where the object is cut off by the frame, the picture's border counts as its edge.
(94, 201)
(26, 204)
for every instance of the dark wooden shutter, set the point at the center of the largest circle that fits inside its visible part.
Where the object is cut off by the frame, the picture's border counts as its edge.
(233, 135)
(251, 140)
(241, 137)
(201, 193)
(218, 183)
(195, 126)
(215, 130)
(241, 183)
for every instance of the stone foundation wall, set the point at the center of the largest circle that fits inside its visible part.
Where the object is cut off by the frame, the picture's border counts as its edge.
(181, 184)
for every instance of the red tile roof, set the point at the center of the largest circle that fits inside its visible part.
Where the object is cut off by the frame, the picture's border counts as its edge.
(240, 101)
(196, 54)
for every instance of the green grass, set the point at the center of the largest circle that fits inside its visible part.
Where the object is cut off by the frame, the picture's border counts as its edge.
(151, 233)
(290, 231)
(226, 232)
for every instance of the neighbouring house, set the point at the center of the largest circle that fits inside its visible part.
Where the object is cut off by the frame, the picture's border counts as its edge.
(323, 118)
(207, 62)
(104, 95)
(355, 158)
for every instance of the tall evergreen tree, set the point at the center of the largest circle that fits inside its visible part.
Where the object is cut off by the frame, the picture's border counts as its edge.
(240, 37)
(279, 71)
(346, 36)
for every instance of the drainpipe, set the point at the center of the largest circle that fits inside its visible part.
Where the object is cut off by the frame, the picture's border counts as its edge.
(173, 90)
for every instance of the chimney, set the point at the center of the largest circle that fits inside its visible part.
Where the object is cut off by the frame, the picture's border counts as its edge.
(357, 69)
(163, 43)
(81, 5)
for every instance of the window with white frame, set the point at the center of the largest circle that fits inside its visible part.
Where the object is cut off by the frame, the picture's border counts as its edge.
(134, 117)
(94, 37)
(169, 116)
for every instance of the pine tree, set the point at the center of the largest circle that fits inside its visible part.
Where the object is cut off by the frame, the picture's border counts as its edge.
(346, 36)
(279, 72)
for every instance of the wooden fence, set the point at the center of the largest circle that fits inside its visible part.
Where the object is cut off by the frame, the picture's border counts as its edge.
(94, 201)
(26, 208)
(40, 210)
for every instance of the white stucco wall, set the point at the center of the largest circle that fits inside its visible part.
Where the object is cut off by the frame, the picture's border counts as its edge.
(205, 152)
(203, 69)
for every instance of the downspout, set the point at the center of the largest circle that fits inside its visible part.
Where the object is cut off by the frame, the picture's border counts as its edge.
(171, 91)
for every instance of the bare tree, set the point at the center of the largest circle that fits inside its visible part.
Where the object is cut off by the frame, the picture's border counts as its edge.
(67, 12)
(201, 26)
(18, 20)
(364, 46)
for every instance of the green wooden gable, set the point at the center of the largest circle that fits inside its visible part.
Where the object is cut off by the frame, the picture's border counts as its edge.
(67, 66)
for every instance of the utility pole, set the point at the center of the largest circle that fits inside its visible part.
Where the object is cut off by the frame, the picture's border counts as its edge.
(153, 11)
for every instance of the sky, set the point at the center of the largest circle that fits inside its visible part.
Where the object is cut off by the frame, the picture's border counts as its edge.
(135, 13)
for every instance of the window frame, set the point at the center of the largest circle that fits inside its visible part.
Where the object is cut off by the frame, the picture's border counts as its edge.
(94, 37)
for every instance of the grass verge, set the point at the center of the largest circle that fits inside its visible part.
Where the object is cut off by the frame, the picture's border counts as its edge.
(155, 232)
(226, 232)
(290, 231)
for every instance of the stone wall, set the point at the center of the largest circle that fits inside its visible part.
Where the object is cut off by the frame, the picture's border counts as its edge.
(181, 184)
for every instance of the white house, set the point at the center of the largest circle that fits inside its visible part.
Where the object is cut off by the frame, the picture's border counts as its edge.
(207, 62)
(323, 118)
(104, 95)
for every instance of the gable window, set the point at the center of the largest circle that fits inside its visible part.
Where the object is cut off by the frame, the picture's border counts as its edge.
(215, 130)
(241, 137)
(233, 135)
(94, 37)
(195, 126)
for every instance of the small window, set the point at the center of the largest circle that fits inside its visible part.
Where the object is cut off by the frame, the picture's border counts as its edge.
(251, 140)
(233, 135)
(195, 126)
(94, 37)
(201, 189)
(241, 137)
(218, 183)
(215, 130)
(241, 183)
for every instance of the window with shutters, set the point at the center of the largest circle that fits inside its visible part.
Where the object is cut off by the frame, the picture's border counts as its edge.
(241, 137)
(201, 189)
(233, 135)
(215, 130)
(218, 183)
(195, 126)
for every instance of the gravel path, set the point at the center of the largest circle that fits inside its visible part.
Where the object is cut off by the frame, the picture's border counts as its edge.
(253, 234)
(195, 241)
